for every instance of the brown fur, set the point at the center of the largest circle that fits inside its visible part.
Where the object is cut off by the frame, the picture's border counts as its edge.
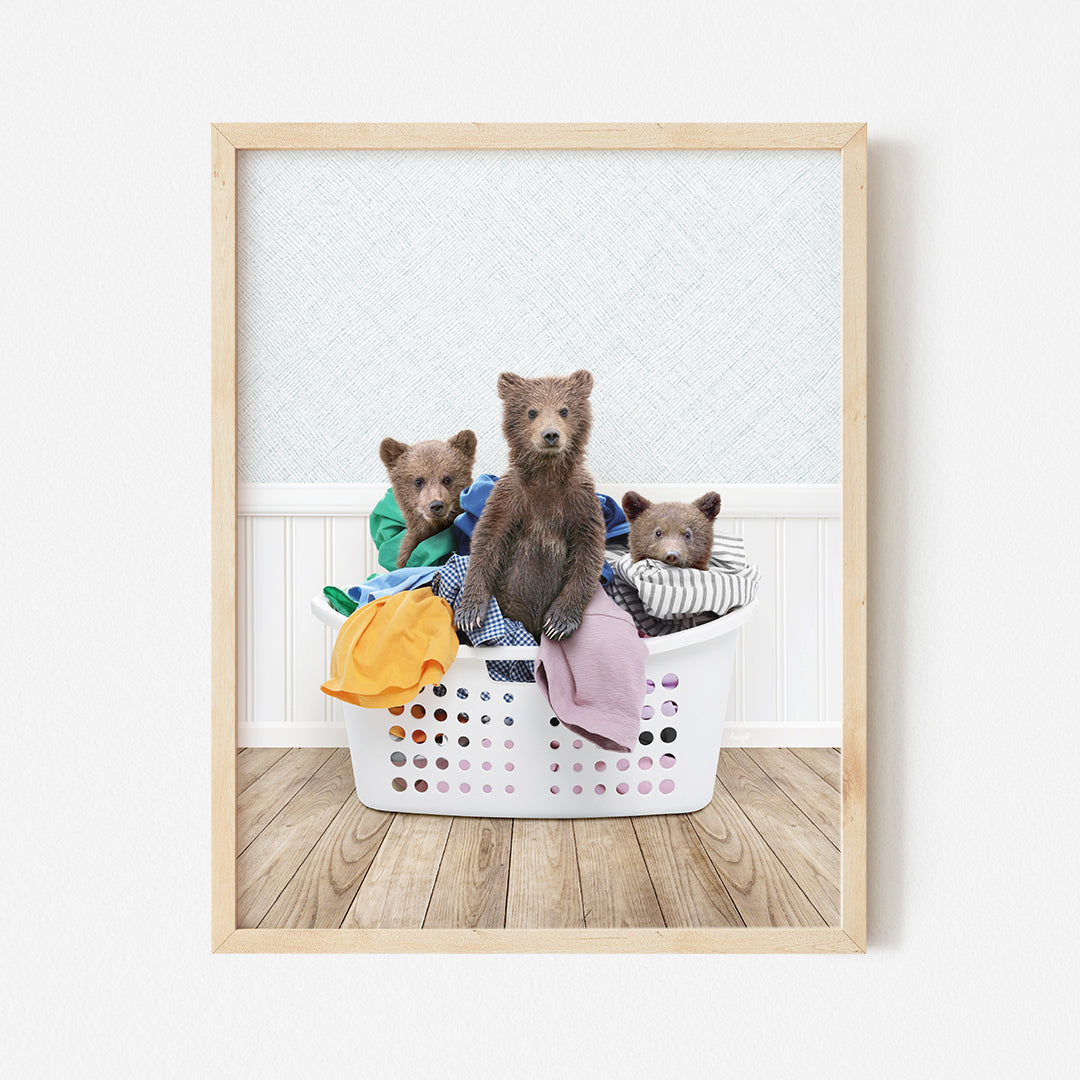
(428, 478)
(679, 534)
(538, 547)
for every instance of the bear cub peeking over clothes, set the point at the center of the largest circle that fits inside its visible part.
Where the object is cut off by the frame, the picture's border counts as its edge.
(538, 547)
(679, 534)
(428, 478)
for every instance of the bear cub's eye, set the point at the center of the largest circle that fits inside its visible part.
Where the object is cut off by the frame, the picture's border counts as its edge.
(686, 535)
(659, 533)
(448, 480)
(419, 481)
(564, 412)
(532, 414)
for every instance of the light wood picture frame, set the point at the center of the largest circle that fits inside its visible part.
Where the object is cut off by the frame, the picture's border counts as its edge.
(227, 140)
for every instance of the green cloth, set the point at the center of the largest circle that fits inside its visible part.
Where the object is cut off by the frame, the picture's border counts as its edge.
(339, 601)
(388, 530)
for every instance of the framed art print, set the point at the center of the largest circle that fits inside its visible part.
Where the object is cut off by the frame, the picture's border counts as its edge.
(699, 290)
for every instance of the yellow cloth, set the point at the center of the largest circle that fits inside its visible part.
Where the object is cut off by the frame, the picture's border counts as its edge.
(389, 648)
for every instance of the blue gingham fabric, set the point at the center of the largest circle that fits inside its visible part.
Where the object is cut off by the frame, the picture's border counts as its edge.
(496, 629)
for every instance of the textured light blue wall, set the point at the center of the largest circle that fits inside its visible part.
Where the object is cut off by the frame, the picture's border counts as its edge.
(381, 293)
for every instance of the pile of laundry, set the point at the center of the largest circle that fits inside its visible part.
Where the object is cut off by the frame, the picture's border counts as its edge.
(399, 632)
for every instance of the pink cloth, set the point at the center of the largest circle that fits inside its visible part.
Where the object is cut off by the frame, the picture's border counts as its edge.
(595, 679)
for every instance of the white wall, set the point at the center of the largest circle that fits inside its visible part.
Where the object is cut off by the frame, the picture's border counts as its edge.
(104, 436)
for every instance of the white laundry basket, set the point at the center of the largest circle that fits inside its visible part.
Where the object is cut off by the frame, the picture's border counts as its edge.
(474, 746)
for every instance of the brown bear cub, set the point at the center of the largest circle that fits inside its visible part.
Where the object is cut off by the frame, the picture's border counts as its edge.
(538, 547)
(428, 478)
(679, 534)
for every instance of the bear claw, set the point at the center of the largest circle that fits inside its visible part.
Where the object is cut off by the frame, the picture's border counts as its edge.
(559, 625)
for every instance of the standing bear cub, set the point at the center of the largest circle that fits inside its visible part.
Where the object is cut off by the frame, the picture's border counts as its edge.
(428, 478)
(538, 547)
(679, 534)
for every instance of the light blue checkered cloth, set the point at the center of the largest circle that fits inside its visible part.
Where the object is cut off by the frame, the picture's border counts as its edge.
(496, 629)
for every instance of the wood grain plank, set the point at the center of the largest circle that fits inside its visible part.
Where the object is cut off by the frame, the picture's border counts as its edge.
(560, 136)
(811, 860)
(321, 891)
(268, 795)
(544, 888)
(253, 761)
(223, 689)
(815, 797)
(854, 471)
(688, 888)
(760, 886)
(271, 859)
(825, 762)
(470, 890)
(616, 890)
(396, 890)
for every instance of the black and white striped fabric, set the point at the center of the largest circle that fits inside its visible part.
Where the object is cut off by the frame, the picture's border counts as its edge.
(663, 599)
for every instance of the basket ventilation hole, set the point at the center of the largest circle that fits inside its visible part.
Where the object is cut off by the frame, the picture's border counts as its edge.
(397, 733)
(396, 710)
(647, 712)
(439, 691)
(485, 695)
(622, 789)
(644, 787)
(622, 764)
(669, 734)
(462, 692)
(398, 783)
(463, 717)
(669, 681)
(669, 708)
(443, 786)
(667, 761)
(420, 761)
(442, 763)
(645, 763)
(440, 715)
(418, 712)
(419, 736)
(599, 789)
(421, 785)
(463, 740)
(650, 686)
(645, 738)
(667, 786)
(397, 758)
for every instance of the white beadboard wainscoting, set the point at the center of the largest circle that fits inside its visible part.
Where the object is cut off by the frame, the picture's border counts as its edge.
(295, 538)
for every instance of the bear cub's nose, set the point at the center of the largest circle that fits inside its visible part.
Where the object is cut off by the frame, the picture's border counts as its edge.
(435, 507)
(671, 557)
(551, 436)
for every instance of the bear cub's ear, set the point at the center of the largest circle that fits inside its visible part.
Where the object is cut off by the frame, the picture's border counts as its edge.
(709, 504)
(390, 450)
(634, 504)
(582, 382)
(508, 383)
(465, 442)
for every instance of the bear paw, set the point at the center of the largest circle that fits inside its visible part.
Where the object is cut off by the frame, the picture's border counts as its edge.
(560, 624)
(470, 612)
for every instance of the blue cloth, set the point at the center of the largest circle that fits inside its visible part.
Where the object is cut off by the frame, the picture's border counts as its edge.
(496, 629)
(475, 496)
(375, 588)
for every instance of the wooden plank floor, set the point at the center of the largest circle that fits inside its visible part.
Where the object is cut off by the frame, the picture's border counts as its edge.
(764, 852)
